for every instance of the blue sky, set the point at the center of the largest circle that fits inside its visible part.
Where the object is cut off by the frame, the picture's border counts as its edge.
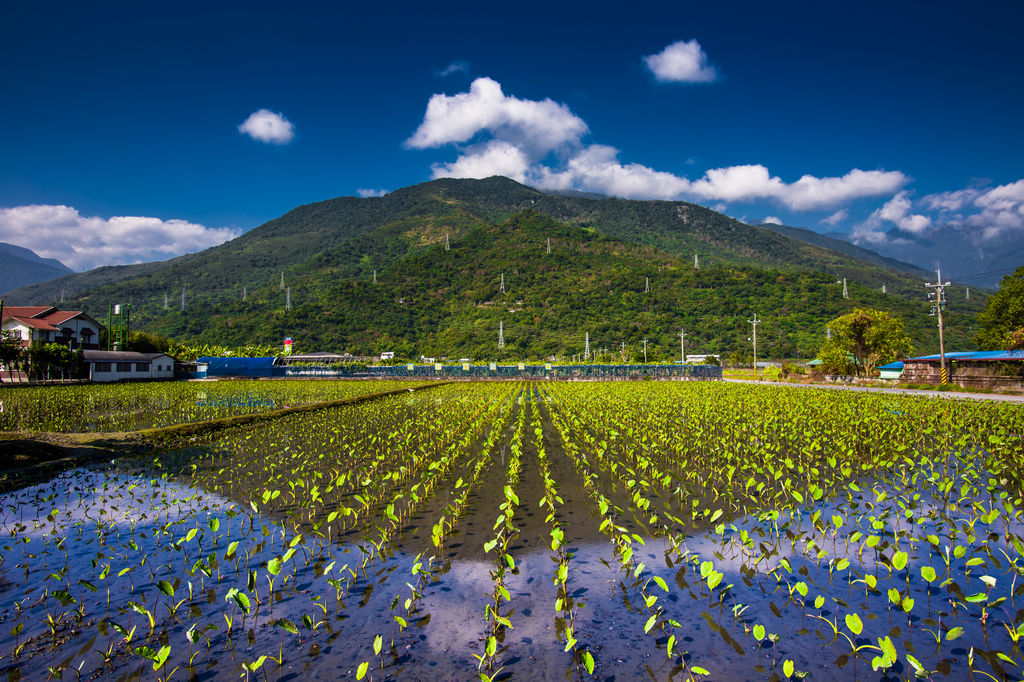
(123, 139)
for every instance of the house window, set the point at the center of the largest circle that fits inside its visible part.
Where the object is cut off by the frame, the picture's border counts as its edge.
(141, 366)
(86, 334)
(101, 367)
(124, 367)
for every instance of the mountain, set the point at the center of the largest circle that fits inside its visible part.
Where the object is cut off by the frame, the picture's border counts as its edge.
(439, 251)
(829, 241)
(966, 254)
(20, 267)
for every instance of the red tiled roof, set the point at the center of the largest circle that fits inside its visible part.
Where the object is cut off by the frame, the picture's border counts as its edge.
(61, 316)
(26, 310)
(32, 322)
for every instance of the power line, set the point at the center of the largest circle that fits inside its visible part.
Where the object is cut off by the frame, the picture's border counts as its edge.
(938, 299)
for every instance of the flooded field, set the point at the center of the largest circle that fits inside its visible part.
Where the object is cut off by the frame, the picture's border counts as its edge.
(537, 531)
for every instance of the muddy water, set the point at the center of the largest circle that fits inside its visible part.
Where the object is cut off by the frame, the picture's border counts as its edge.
(54, 579)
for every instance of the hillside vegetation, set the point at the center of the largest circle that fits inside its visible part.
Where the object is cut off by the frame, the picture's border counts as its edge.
(436, 301)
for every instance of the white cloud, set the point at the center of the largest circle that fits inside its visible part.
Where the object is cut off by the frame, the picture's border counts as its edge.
(772, 220)
(541, 143)
(536, 127)
(266, 126)
(896, 211)
(836, 218)
(83, 243)
(454, 67)
(681, 62)
(596, 169)
(371, 192)
(737, 183)
(481, 161)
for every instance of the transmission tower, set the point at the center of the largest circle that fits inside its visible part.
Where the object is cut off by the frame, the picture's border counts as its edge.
(245, 294)
(447, 244)
(938, 300)
(282, 279)
(883, 288)
(165, 301)
(696, 262)
(549, 244)
(846, 292)
(183, 299)
(682, 344)
(501, 334)
(288, 298)
(647, 285)
(622, 352)
(968, 293)
(645, 350)
(503, 282)
(586, 347)
(62, 294)
(375, 275)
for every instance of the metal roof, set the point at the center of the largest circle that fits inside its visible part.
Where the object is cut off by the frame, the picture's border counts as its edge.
(116, 356)
(974, 356)
(893, 365)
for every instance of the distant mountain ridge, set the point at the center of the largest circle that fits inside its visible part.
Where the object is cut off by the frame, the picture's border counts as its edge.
(438, 249)
(21, 267)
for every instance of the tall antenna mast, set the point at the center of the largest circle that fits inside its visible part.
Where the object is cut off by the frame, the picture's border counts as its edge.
(501, 334)
(938, 299)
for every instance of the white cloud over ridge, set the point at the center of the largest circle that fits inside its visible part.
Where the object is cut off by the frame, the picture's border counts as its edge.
(683, 61)
(83, 243)
(772, 220)
(268, 127)
(984, 214)
(371, 192)
(540, 143)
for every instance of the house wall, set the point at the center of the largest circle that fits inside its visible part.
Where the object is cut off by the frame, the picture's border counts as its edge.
(975, 374)
(161, 367)
(76, 326)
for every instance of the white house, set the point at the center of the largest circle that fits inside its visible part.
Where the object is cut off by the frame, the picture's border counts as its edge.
(48, 324)
(118, 365)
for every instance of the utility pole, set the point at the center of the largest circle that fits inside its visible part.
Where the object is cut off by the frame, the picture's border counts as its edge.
(586, 347)
(682, 345)
(645, 350)
(755, 322)
(501, 334)
(938, 299)
(846, 292)
(288, 298)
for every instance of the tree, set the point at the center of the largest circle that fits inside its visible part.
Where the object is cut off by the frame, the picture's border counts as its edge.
(1002, 320)
(10, 352)
(871, 337)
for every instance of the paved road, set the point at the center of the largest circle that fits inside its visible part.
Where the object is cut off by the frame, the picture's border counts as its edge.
(906, 391)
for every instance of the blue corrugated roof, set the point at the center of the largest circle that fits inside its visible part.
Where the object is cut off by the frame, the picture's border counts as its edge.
(893, 365)
(972, 356)
(253, 367)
